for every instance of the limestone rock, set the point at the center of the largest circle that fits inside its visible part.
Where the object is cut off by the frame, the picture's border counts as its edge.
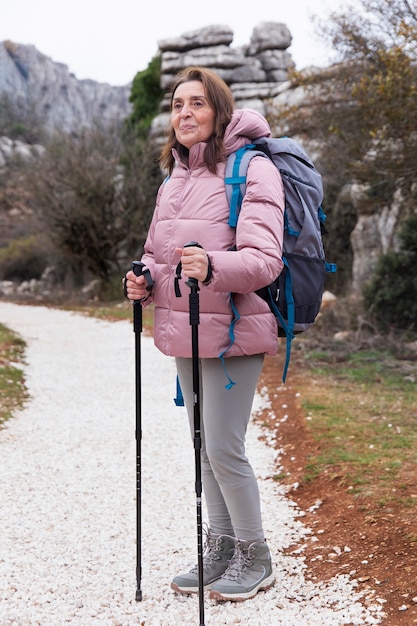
(202, 38)
(55, 94)
(255, 72)
(269, 36)
(11, 148)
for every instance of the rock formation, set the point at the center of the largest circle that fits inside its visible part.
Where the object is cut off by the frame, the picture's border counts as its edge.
(255, 72)
(54, 94)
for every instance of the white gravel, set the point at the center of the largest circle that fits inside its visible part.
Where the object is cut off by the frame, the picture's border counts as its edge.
(68, 514)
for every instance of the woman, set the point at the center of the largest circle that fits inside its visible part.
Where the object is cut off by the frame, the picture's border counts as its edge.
(192, 206)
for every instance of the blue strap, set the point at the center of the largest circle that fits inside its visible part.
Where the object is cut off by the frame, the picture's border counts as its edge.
(287, 325)
(331, 267)
(236, 317)
(290, 315)
(322, 215)
(236, 180)
(179, 399)
(236, 197)
(288, 227)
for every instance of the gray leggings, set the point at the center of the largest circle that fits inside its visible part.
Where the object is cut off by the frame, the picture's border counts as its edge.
(229, 483)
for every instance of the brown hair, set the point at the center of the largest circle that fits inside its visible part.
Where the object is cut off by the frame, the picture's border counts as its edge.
(220, 99)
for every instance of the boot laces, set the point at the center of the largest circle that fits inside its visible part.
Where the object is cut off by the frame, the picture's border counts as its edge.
(239, 562)
(210, 549)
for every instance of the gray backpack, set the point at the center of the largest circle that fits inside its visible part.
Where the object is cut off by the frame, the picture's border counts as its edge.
(295, 295)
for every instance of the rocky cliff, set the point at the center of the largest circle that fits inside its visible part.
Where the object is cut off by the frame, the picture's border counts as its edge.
(54, 94)
(255, 72)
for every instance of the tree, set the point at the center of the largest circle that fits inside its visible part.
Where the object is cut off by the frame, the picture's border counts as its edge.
(366, 105)
(361, 110)
(391, 296)
(19, 120)
(142, 177)
(143, 174)
(87, 196)
(146, 96)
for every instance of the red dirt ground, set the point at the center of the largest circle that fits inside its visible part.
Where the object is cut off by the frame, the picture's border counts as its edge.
(381, 553)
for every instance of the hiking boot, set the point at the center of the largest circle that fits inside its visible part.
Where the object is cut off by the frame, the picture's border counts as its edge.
(218, 550)
(249, 571)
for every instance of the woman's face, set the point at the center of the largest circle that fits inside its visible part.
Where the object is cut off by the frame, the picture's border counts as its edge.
(192, 117)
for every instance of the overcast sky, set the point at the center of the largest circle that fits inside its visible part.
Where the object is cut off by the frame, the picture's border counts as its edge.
(109, 41)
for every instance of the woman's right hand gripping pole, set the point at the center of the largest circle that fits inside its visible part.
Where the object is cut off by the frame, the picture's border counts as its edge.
(138, 282)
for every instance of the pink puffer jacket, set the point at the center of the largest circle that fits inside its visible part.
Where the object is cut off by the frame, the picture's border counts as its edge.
(192, 206)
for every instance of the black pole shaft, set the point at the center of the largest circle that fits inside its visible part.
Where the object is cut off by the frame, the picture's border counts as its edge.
(194, 302)
(139, 269)
(137, 327)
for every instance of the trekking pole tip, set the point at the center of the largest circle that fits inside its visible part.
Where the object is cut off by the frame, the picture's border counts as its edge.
(138, 596)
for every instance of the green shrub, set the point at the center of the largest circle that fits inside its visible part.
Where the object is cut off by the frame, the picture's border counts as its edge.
(23, 259)
(391, 296)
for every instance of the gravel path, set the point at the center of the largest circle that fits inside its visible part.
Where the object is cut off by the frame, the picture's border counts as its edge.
(68, 515)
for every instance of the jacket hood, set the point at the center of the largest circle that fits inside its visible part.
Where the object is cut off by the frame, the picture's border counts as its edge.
(246, 124)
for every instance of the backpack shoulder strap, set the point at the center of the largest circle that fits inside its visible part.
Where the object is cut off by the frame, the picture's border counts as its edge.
(235, 178)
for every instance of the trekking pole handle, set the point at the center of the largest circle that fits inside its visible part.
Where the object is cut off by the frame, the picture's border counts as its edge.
(193, 298)
(192, 282)
(138, 268)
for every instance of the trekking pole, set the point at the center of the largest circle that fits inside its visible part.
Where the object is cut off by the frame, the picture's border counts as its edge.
(138, 269)
(194, 306)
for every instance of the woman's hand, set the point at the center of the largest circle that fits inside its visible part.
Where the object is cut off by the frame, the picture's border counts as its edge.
(194, 261)
(136, 286)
